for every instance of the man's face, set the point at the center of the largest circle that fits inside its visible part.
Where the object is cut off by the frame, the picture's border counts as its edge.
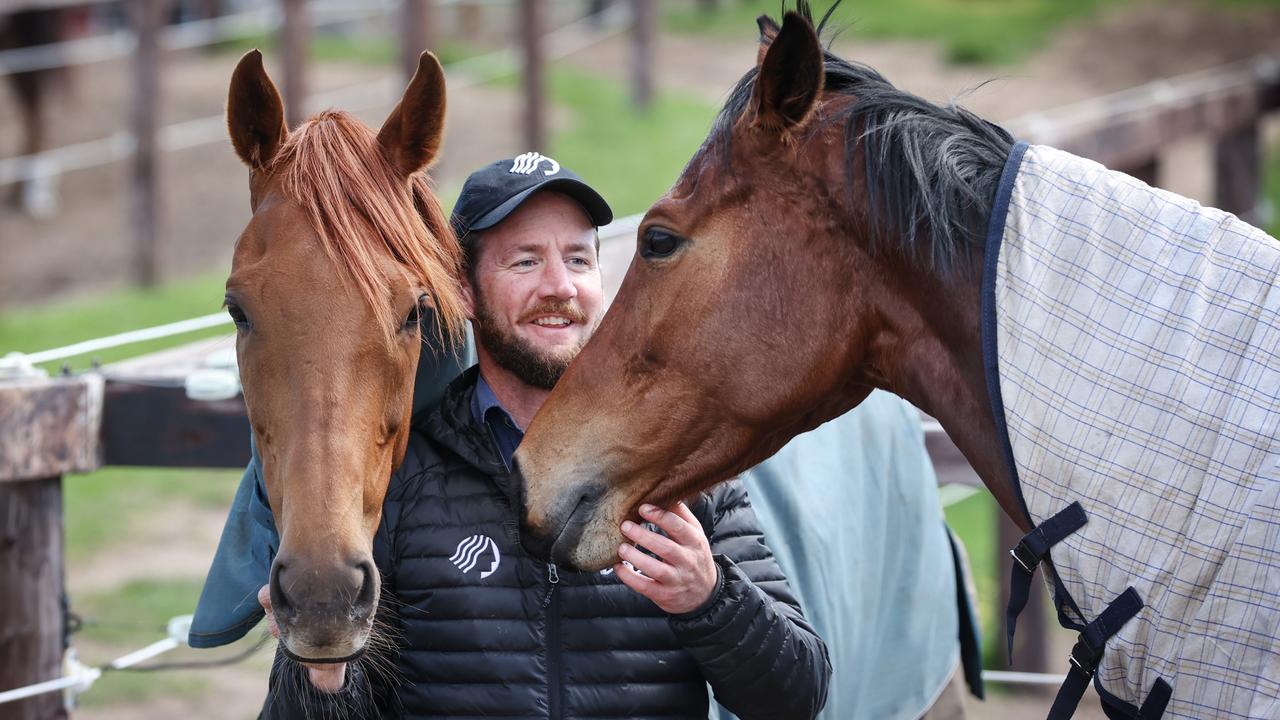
(536, 290)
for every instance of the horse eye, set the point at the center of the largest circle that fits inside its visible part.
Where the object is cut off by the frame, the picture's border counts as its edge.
(658, 243)
(237, 316)
(415, 314)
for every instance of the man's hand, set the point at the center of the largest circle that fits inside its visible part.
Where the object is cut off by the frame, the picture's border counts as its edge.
(326, 677)
(683, 576)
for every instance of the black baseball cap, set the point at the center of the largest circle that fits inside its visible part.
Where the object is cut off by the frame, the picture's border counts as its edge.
(494, 191)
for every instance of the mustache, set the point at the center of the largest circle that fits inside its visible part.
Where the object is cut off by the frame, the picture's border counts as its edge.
(562, 308)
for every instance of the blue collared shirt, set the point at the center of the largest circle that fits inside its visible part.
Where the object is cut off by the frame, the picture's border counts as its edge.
(487, 411)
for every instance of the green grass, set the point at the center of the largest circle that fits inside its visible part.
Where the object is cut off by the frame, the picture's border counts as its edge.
(128, 619)
(138, 611)
(64, 322)
(100, 508)
(970, 31)
(631, 158)
(974, 521)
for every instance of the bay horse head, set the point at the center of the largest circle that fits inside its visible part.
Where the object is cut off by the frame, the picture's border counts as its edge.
(346, 253)
(824, 236)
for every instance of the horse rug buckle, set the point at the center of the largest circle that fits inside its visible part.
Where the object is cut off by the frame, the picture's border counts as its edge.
(1084, 657)
(1023, 555)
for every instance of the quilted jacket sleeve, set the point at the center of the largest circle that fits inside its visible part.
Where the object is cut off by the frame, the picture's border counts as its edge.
(760, 655)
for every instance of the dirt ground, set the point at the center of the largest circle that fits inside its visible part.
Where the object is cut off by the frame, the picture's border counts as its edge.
(86, 247)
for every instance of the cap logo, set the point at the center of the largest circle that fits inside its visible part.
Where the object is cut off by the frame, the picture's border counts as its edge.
(530, 162)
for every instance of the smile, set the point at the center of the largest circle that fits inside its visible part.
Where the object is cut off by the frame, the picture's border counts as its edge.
(553, 321)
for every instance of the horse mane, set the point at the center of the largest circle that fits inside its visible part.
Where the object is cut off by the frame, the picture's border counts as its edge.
(357, 202)
(931, 170)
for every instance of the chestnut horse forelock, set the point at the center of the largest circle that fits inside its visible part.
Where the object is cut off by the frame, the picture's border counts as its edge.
(828, 241)
(346, 247)
(333, 168)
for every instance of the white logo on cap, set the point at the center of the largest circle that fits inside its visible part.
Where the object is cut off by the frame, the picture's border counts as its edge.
(528, 163)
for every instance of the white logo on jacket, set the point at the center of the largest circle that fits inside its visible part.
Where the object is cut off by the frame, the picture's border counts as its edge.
(529, 162)
(474, 549)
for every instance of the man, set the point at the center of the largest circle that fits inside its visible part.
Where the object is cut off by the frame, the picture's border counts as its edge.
(479, 629)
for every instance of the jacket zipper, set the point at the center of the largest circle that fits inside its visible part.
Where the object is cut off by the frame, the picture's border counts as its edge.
(553, 642)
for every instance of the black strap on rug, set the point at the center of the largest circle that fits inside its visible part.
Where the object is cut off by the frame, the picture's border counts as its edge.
(1088, 652)
(1157, 699)
(1033, 548)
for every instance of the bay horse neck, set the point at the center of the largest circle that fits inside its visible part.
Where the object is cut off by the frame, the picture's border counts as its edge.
(929, 352)
(929, 346)
(925, 340)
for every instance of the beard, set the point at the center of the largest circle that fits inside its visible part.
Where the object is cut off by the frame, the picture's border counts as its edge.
(532, 365)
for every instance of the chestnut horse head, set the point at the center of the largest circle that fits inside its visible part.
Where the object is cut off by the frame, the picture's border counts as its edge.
(823, 236)
(346, 250)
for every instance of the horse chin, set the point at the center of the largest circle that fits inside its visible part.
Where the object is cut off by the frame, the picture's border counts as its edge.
(594, 545)
(595, 553)
(302, 651)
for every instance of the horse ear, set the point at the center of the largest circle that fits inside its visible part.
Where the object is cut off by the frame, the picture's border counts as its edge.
(255, 113)
(790, 75)
(410, 137)
(768, 31)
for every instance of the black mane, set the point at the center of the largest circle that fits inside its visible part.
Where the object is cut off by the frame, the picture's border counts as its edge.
(931, 170)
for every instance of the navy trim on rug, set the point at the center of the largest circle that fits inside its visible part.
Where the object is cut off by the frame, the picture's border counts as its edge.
(990, 361)
(1112, 706)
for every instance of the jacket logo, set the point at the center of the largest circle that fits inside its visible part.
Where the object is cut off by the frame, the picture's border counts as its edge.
(472, 551)
(529, 163)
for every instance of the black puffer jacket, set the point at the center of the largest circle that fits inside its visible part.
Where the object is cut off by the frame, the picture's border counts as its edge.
(485, 631)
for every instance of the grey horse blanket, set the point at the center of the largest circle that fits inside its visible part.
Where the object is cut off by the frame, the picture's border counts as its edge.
(1132, 347)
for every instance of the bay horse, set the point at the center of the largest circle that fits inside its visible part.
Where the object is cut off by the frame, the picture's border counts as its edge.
(1106, 356)
(347, 249)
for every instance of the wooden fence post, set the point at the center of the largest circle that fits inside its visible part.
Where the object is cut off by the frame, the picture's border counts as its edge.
(48, 427)
(32, 625)
(642, 32)
(147, 17)
(1237, 173)
(535, 131)
(1148, 172)
(294, 35)
(417, 33)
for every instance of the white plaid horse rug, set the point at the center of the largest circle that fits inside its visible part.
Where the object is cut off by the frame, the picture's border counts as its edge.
(1132, 346)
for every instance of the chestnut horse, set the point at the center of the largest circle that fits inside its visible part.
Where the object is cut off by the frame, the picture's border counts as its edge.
(346, 248)
(831, 236)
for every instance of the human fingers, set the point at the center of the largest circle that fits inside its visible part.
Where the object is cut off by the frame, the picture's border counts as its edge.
(659, 545)
(683, 528)
(634, 580)
(653, 567)
(264, 599)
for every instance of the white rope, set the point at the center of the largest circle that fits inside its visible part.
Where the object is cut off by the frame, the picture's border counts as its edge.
(80, 677)
(1022, 678)
(128, 338)
(81, 681)
(481, 69)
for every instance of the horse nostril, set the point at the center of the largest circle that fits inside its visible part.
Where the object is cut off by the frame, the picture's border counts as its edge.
(280, 604)
(368, 586)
